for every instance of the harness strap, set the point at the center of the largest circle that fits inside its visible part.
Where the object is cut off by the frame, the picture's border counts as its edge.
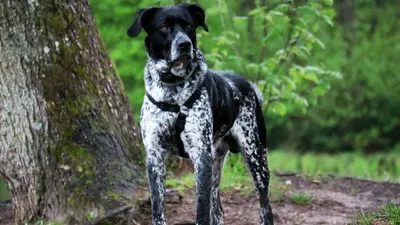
(181, 121)
(182, 114)
(163, 105)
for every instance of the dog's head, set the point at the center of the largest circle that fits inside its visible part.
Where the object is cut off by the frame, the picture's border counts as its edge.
(171, 32)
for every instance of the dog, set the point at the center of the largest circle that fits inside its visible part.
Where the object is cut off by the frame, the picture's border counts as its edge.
(194, 112)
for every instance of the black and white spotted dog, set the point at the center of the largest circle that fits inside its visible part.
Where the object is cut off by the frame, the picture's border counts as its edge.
(194, 112)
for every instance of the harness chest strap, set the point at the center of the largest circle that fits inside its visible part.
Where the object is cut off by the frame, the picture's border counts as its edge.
(182, 114)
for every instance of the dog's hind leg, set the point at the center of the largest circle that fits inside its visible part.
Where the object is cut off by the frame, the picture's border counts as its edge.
(217, 213)
(249, 132)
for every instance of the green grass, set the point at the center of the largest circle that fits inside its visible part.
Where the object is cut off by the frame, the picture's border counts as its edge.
(389, 214)
(181, 183)
(364, 219)
(301, 198)
(380, 166)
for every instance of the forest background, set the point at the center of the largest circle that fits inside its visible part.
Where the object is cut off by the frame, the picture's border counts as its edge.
(328, 71)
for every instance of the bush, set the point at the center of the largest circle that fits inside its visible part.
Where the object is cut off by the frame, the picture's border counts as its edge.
(361, 111)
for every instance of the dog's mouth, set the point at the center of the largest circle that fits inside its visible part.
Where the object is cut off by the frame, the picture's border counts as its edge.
(182, 61)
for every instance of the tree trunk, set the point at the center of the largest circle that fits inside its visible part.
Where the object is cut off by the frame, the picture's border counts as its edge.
(68, 145)
(347, 17)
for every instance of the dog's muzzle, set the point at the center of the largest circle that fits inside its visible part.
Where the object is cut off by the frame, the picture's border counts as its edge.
(181, 51)
(179, 70)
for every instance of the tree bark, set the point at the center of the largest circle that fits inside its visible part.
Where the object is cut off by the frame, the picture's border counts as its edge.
(68, 144)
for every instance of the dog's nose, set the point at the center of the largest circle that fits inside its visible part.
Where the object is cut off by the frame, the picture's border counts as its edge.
(184, 45)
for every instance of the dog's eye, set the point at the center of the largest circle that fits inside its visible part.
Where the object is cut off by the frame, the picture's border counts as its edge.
(164, 27)
(188, 26)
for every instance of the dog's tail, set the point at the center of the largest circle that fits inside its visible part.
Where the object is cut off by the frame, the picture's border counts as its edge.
(262, 131)
(260, 96)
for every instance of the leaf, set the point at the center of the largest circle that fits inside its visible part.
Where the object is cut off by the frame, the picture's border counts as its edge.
(335, 74)
(276, 13)
(310, 37)
(283, 8)
(290, 83)
(300, 101)
(280, 52)
(238, 18)
(278, 108)
(297, 51)
(257, 11)
(311, 76)
(300, 23)
(305, 50)
(315, 28)
(308, 11)
(321, 89)
(90, 217)
(275, 91)
(327, 20)
(328, 2)
(271, 34)
(330, 12)
(252, 65)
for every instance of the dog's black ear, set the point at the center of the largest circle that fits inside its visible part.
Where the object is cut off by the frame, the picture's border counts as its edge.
(197, 13)
(143, 19)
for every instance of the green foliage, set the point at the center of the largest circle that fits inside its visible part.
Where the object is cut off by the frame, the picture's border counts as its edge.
(277, 60)
(361, 110)
(301, 198)
(90, 217)
(290, 49)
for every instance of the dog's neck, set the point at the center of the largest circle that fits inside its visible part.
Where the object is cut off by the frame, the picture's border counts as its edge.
(176, 94)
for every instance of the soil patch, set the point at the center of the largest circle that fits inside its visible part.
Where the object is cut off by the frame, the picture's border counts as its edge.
(337, 200)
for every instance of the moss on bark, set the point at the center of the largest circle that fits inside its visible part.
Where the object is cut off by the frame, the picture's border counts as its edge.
(94, 158)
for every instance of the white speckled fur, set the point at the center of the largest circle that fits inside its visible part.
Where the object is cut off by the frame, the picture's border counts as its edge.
(198, 140)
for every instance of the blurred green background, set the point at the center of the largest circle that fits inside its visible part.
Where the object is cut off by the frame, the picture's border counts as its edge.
(329, 72)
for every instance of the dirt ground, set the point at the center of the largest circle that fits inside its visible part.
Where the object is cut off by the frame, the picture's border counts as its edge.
(336, 201)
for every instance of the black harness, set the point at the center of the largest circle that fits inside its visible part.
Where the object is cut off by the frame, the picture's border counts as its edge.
(182, 114)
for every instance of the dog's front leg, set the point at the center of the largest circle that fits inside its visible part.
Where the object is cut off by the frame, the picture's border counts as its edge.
(156, 176)
(203, 173)
(198, 145)
(155, 137)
